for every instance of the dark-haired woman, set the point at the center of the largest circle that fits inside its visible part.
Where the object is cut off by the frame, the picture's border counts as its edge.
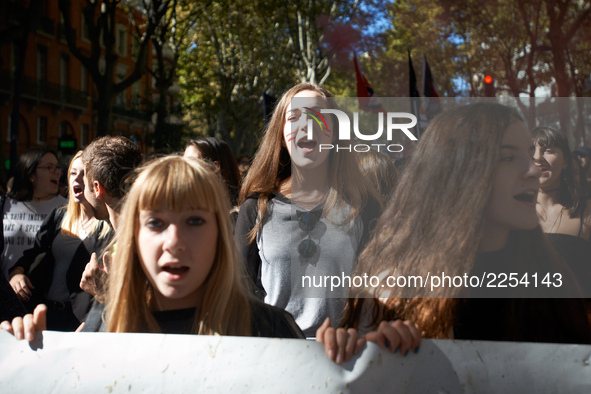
(218, 152)
(561, 205)
(32, 197)
(565, 215)
(474, 171)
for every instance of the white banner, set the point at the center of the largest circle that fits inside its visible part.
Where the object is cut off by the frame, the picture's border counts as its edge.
(113, 363)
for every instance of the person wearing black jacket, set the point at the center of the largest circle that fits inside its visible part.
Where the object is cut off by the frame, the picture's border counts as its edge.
(50, 272)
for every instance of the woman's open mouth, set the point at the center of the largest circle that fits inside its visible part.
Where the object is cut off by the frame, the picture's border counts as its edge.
(77, 190)
(307, 145)
(173, 272)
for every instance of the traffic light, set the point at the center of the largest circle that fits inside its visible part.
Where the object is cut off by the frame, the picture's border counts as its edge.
(489, 86)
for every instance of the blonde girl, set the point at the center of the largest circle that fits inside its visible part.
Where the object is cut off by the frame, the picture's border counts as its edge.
(175, 266)
(63, 245)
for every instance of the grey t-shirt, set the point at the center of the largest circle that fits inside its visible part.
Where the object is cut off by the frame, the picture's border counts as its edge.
(300, 283)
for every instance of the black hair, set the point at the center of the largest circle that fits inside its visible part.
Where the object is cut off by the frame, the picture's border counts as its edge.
(569, 194)
(213, 149)
(22, 188)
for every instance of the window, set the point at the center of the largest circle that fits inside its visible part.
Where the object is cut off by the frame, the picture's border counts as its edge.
(83, 79)
(62, 129)
(121, 74)
(13, 54)
(41, 63)
(135, 47)
(8, 130)
(41, 130)
(102, 65)
(85, 32)
(121, 40)
(64, 69)
(135, 94)
(84, 131)
(62, 29)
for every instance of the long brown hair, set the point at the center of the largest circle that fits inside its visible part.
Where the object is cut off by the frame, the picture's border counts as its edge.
(435, 219)
(272, 165)
(179, 183)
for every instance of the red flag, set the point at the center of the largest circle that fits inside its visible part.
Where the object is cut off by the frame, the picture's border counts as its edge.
(413, 94)
(413, 90)
(432, 102)
(367, 100)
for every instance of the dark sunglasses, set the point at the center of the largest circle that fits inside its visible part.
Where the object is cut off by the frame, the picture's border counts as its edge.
(307, 222)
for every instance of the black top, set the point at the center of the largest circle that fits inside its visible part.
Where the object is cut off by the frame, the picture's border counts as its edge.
(266, 321)
(558, 320)
(10, 305)
(576, 253)
(48, 237)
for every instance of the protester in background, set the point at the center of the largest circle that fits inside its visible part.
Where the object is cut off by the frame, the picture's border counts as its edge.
(218, 152)
(243, 165)
(32, 197)
(108, 163)
(304, 211)
(565, 215)
(466, 204)
(64, 243)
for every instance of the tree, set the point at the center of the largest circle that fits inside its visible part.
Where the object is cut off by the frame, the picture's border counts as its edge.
(305, 30)
(166, 45)
(235, 51)
(100, 18)
(419, 26)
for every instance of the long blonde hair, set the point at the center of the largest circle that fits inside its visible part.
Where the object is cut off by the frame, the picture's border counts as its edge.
(178, 183)
(272, 165)
(71, 221)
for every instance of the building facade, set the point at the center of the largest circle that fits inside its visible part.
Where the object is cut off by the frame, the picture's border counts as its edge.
(57, 93)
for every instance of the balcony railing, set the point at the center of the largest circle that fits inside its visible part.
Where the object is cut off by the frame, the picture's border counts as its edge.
(135, 113)
(47, 92)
